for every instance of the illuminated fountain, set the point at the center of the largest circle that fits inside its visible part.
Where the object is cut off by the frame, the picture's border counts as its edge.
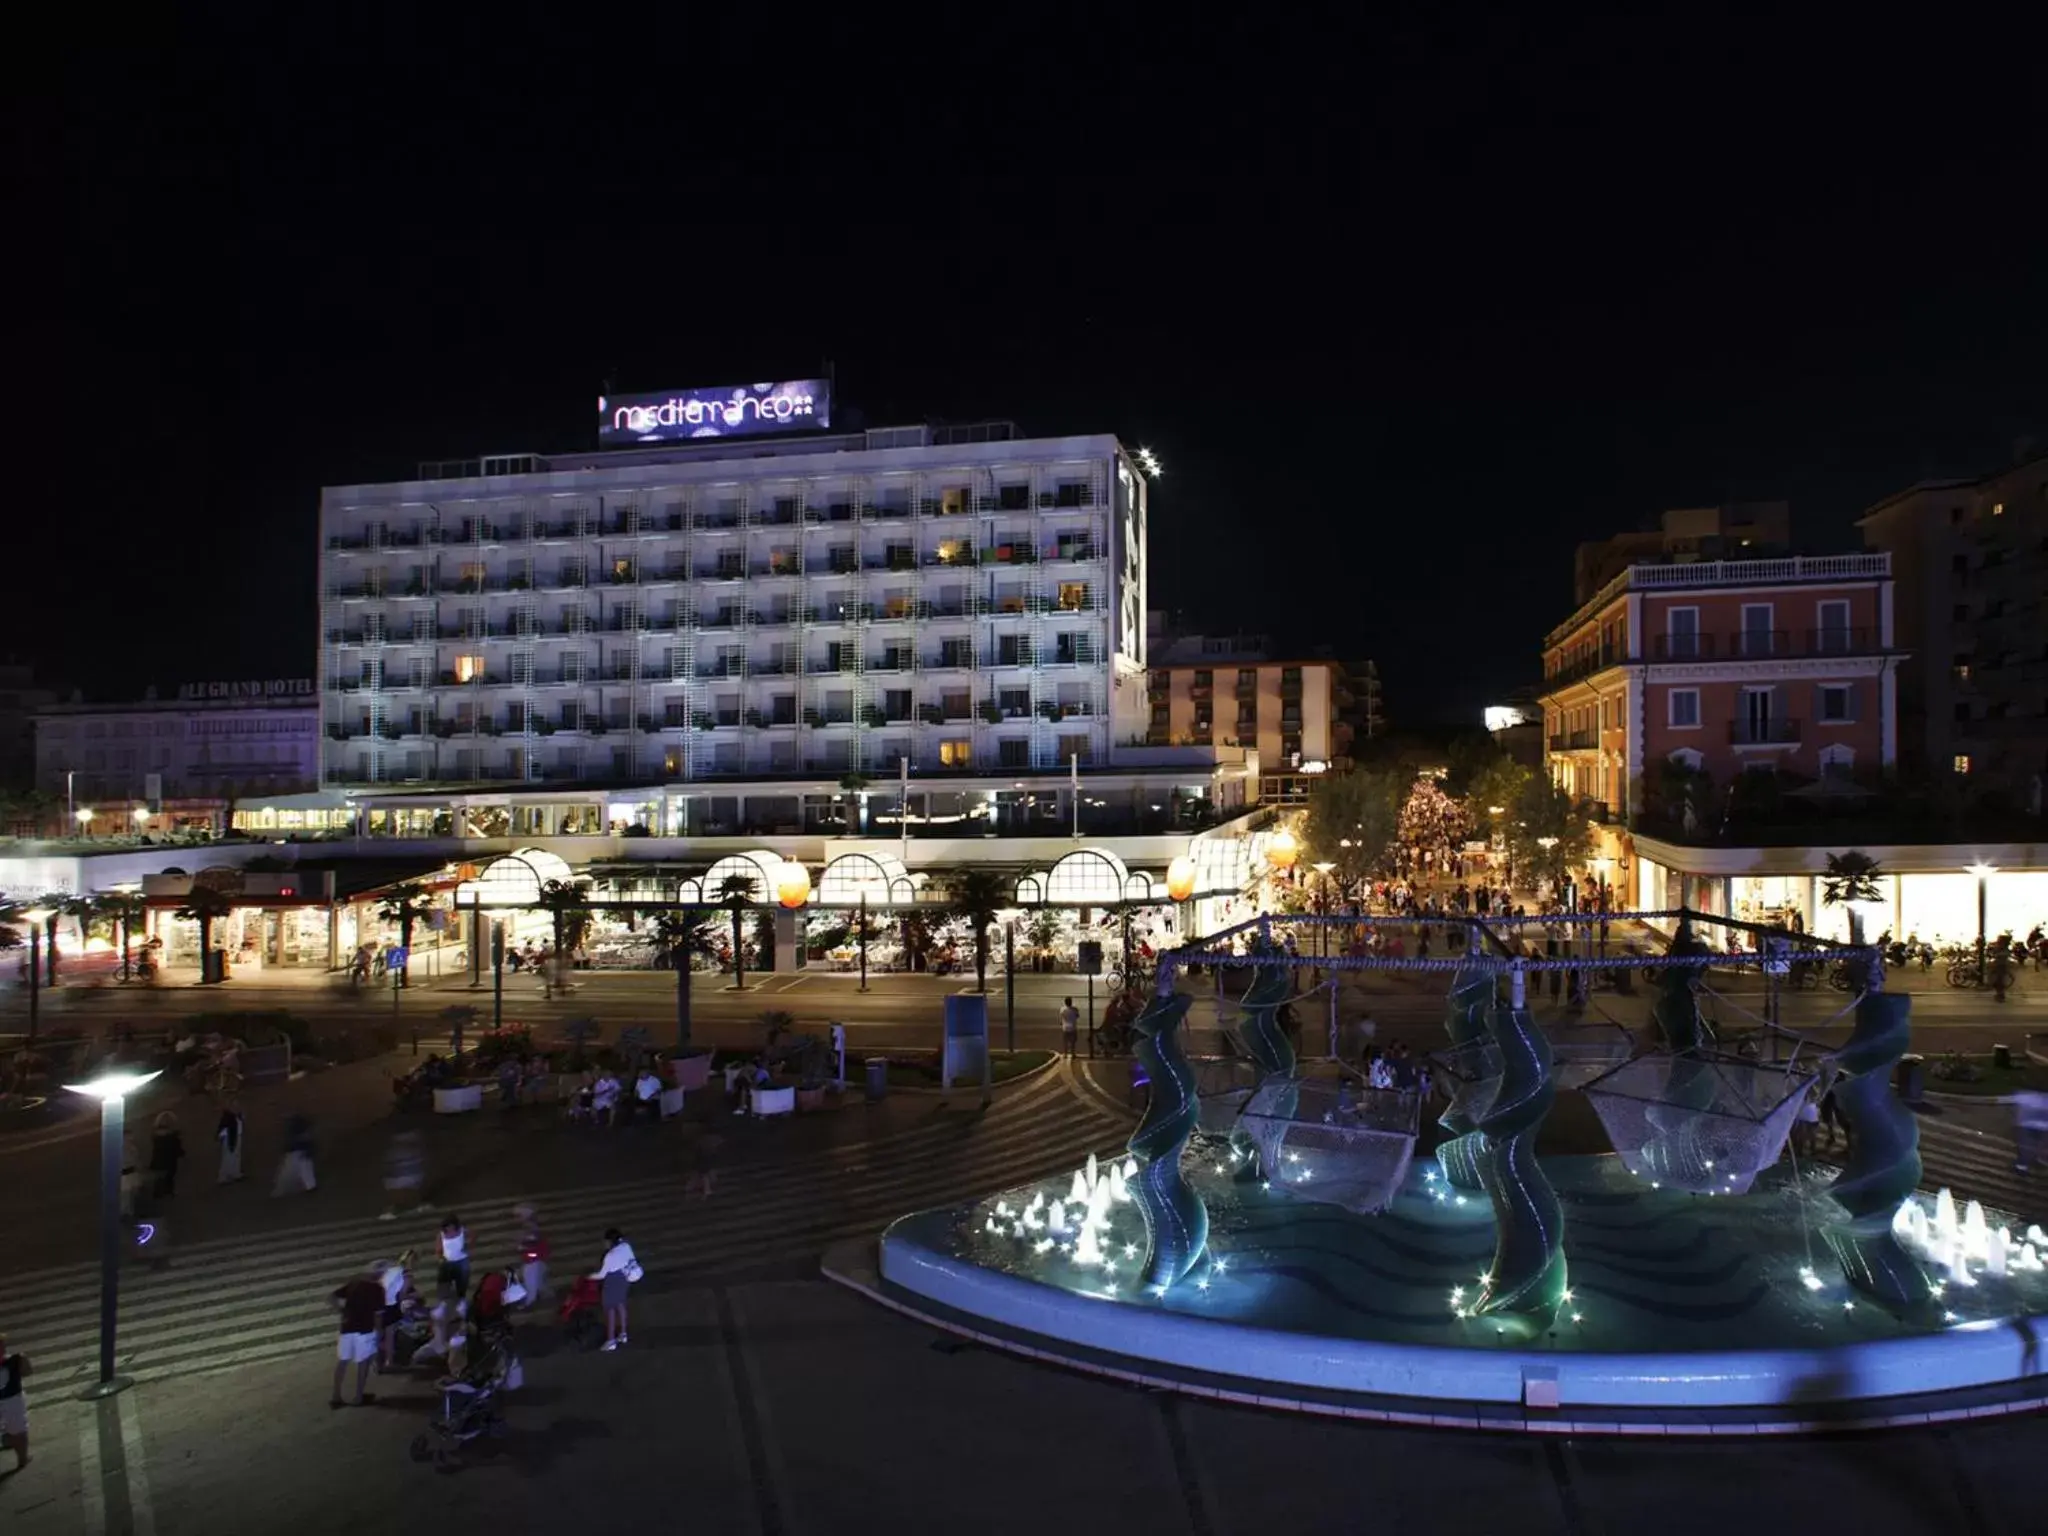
(1490, 1275)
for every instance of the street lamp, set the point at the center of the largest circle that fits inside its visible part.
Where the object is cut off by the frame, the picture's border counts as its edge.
(35, 917)
(83, 816)
(1322, 910)
(141, 814)
(1983, 872)
(111, 1088)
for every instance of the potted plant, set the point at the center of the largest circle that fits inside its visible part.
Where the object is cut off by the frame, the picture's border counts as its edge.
(990, 711)
(872, 715)
(1048, 709)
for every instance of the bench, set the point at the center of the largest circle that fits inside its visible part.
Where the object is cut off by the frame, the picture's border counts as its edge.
(774, 1101)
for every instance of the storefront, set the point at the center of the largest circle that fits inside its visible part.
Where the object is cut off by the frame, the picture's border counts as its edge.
(1926, 891)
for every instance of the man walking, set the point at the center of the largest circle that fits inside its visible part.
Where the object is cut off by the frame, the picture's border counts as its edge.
(1070, 1023)
(361, 1302)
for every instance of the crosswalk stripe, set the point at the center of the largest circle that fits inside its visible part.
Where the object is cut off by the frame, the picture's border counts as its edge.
(216, 1288)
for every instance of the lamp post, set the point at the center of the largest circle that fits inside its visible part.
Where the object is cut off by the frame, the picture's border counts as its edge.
(141, 815)
(1546, 844)
(1322, 910)
(111, 1089)
(35, 917)
(1983, 872)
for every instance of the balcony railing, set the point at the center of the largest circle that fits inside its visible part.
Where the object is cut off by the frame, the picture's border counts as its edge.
(1763, 733)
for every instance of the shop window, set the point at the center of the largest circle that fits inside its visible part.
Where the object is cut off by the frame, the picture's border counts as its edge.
(955, 754)
(1961, 763)
(1685, 708)
(468, 668)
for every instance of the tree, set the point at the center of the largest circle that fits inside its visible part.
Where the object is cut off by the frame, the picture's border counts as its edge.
(1493, 792)
(978, 895)
(1548, 835)
(1352, 821)
(405, 905)
(205, 906)
(735, 893)
(1851, 877)
(679, 937)
(124, 910)
(563, 900)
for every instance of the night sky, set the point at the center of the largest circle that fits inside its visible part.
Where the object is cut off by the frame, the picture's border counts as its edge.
(1406, 310)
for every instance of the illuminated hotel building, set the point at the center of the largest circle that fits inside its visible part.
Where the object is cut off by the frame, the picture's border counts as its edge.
(758, 610)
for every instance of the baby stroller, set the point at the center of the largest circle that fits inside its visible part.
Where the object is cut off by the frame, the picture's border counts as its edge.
(469, 1401)
(582, 1313)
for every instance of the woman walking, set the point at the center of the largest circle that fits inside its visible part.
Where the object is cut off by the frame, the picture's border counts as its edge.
(453, 1280)
(229, 1134)
(166, 1151)
(618, 1271)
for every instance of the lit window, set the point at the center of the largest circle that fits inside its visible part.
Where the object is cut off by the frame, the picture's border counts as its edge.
(950, 550)
(954, 754)
(1073, 595)
(1962, 762)
(1998, 509)
(468, 667)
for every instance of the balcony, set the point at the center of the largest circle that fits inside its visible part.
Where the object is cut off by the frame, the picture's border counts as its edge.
(1010, 554)
(884, 512)
(1074, 552)
(1763, 733)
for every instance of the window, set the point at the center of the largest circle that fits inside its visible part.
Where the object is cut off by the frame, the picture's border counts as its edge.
(468, 668)
(1757, 637)
(1962, 667)
(955, 754)
(1961, 763)
(1683, 632)
(1835, 704)
(1685, 708)
(1832, 634)
(1013, 752)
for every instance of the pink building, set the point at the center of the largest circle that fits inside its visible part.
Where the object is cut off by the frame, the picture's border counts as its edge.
(1784, 666)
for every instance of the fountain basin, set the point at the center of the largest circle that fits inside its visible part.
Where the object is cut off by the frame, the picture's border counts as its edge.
(1680, 1306)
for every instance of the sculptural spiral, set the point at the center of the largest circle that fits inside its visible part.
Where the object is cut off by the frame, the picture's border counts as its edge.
(1176, 1221)
(1884, 1153)
(1259, 1012)
(1527, 1276)
(1472, 1081)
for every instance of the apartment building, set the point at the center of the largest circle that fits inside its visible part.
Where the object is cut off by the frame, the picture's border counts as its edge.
(1736, 530)
(1232, 691)
(1783, 665)
(1971, 558)
(803, 607)
(154, 762)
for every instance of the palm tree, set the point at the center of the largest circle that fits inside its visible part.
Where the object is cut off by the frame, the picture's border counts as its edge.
(125, 910)
(405, 905)
(679, 937)
(563, 900)
(734, 894)
(206, 906)
(978, 896)
(1852, 877)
